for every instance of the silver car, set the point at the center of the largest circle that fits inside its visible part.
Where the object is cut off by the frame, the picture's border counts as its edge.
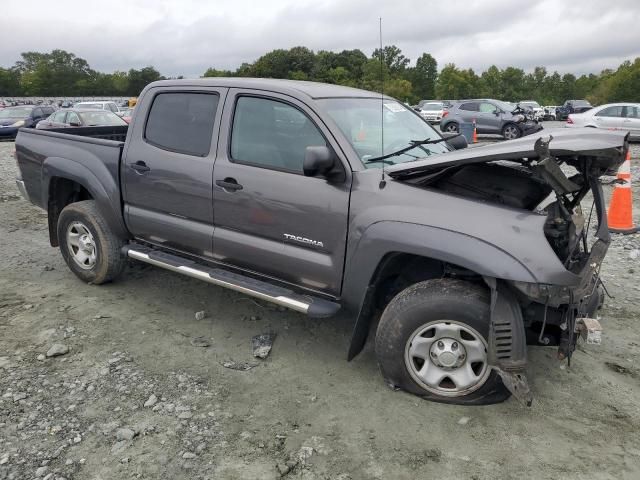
(612, 116)
(433, 112)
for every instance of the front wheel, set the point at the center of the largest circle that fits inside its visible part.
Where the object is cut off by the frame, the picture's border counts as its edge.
(432, 341)
(511, 131)
(87, 244)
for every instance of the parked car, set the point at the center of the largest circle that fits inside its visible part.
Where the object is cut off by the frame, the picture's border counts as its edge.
(274, 188)
(80, 118)
(549, 112)
(572, 106)
(111, 106)
(490, 117)
(13, 118)
(616, 116)
(538, 112)
(433, 112)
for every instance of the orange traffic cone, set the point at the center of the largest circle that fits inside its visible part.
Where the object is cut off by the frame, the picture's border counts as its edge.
(475, 133)
(620, 214)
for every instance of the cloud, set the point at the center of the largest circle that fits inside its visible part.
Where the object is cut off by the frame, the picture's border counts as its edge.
(188, 36)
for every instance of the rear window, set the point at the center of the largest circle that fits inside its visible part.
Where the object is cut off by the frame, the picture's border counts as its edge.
(90, 106)
(182, 122)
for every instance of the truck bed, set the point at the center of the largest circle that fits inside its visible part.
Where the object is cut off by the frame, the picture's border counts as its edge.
(95, 150)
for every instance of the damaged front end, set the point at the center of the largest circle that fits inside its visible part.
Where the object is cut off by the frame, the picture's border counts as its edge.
(553, 177)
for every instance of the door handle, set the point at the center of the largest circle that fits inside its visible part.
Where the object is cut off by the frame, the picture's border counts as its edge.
(139, 166)
(230, 184)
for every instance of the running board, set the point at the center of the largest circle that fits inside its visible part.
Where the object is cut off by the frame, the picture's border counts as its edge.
(311, 306)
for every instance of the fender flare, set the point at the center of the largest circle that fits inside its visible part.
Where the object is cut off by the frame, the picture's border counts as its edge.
(104, 189)
(383, 238)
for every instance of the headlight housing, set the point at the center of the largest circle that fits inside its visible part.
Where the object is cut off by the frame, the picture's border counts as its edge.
(19, 123)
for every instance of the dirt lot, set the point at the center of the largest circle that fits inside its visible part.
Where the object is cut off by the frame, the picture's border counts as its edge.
(302, 413)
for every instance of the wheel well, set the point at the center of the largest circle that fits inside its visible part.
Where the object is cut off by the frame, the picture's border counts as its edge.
(398, 271)
(395, 272)
(62, 192)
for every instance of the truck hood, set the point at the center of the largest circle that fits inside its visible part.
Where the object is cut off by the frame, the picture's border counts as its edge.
(605, 148)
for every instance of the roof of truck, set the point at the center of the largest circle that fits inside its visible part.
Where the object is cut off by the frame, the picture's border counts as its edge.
(290, 87)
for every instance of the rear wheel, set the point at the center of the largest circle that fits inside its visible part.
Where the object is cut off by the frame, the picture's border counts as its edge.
(432, 341)
(87, 244)
(451, 127)
(511, 131)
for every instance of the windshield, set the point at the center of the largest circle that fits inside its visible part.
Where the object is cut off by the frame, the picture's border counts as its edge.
(530, 104)
(16, 112)
(359, 119)
(102, 117)
(90, 106)
(432, 106)
(504, 106)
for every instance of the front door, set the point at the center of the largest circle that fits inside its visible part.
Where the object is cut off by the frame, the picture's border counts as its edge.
(268, 216)
(610, 117)
(168, 169)
(489, 117)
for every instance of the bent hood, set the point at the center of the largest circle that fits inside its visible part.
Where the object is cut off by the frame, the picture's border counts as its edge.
(606, 149)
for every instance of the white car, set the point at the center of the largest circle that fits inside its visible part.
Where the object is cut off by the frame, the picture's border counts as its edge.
(538, 112)
(98, 105)
(433, 112)
(612, 116)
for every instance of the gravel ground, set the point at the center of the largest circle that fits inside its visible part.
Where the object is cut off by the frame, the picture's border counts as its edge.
(142, 390)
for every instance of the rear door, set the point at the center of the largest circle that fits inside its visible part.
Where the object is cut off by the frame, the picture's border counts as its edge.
(269, 217)
(167, 168)
(609, 117)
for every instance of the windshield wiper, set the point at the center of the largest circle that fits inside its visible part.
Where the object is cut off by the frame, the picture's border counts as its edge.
(413, 144)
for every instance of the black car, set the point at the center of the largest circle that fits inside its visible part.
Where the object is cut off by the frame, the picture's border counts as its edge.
(13, 118)
(81, 118)
(572, 106)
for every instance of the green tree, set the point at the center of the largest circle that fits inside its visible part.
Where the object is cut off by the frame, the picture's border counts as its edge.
(138, 79)
(423, 77)
(393, 58)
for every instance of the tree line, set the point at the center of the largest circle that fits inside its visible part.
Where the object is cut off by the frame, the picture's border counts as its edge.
(61, 73)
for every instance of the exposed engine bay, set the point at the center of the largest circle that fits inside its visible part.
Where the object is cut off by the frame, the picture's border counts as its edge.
(554, 186)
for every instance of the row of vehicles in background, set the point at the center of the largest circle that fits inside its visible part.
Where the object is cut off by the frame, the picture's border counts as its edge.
(82, 114)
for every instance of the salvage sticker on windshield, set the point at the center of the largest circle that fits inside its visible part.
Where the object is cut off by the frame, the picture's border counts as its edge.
(394, 107)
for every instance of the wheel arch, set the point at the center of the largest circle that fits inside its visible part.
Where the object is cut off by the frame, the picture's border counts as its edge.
(66, 181)
(389, 249)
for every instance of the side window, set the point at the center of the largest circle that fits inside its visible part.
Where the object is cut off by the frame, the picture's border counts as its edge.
(632, 111)
(59, 117)
(271, 134)
(182, 122)
(610, 112)
(37, 113)
(112, 107)
(72, 117)
(487, 108)
(470, 107)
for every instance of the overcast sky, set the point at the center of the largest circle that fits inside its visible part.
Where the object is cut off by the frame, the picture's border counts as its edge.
(185, 37)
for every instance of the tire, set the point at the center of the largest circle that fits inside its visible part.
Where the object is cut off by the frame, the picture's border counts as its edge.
(87, 244)
(511, 131)
(442, 306)
(451, 127)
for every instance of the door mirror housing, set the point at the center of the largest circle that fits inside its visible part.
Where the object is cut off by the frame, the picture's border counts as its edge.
(456, 141)
(321, 161)
(74, 124)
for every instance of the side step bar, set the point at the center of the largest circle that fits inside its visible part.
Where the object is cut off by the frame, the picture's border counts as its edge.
(312, 306)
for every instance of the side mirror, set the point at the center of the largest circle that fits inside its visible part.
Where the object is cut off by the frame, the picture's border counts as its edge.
(456, 141)
(74, 124)
(318, 161)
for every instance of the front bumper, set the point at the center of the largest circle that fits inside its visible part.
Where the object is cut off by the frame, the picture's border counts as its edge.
(530, 127)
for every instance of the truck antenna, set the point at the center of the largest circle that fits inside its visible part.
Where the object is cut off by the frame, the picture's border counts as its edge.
(383, 182)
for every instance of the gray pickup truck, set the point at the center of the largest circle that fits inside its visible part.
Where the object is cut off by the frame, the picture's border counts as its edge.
(323, 198)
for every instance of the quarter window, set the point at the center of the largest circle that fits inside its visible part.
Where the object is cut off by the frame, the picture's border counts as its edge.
(182, 122)
(72, 117)
(272, 134)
